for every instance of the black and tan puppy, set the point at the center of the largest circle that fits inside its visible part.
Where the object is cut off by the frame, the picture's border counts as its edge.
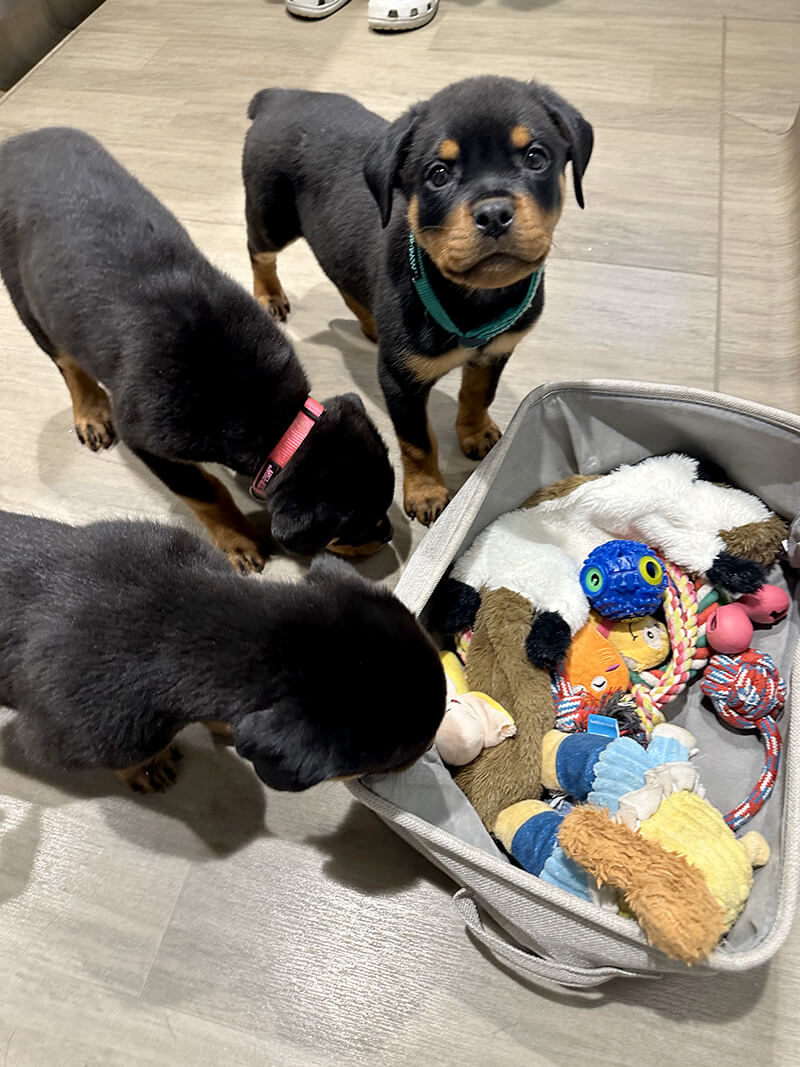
(116, 635)
(112, 288)
(435, 229)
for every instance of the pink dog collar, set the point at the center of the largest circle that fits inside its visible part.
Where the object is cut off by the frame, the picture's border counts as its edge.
(302, 425)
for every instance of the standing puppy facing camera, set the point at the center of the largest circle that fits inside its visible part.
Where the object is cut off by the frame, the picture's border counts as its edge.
(116, 635)
(160, 348)
(435, 229)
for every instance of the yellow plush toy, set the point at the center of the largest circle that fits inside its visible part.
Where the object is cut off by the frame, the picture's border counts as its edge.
(682, 872)
(642, 643)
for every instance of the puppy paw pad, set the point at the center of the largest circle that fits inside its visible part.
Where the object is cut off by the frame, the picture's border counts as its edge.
(95, 432)
(479, 444)
(156, 774)
(246, 559)
(426, 503)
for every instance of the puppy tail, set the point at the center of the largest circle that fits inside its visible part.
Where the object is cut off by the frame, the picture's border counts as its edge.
(256, 105)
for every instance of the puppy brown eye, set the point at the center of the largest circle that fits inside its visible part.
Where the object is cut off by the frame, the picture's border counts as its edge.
(438, 175)
(537, 159)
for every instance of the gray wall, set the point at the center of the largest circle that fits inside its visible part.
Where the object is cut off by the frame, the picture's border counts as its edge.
(30, 28)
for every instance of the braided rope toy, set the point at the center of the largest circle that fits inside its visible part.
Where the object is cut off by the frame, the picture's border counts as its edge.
(572, 710)
(748, 693)
(680, 615)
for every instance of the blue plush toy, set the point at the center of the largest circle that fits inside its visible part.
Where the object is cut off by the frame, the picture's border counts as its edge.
(623, 580)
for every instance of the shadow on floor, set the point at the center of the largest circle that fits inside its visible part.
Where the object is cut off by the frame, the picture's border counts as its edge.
(217, 798)
(367, 856)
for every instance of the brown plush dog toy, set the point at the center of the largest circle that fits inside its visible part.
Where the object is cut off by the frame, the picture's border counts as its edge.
(497, 664)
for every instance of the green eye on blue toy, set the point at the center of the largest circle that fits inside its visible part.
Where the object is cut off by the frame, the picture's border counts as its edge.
(623, 580)
(593, 581)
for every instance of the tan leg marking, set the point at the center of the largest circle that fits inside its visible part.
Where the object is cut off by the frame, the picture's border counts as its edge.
(154, 775)
(425, 496)
(91, 410)
(229, 529)
(477, 431)
(267, 288)
(365, 317)
(222, 732)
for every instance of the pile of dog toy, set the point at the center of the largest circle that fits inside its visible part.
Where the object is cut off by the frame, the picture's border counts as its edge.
(576, 620)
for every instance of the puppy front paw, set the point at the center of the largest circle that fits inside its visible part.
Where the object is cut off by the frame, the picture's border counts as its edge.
(154, 775)
(477, 443)
(277, 304)
(425, 500)
(244, 553)
(96, 431)
(246, 559)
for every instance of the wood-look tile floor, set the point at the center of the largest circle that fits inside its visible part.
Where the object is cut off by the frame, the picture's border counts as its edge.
(222, 924)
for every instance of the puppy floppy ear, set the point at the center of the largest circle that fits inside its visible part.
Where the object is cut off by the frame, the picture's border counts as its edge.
(386, 157)
(355, 399)
(575, 130)
(273, 740)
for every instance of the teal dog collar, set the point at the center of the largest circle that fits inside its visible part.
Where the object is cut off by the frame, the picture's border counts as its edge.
(467, 338)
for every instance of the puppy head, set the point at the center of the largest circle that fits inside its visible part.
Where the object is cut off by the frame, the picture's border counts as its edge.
(481, 165)
(337, 489)
(361, 691)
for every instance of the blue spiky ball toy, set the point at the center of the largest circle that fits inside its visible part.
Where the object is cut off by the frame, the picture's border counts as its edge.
(623, 580)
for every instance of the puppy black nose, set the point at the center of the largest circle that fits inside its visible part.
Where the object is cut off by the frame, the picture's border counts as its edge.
(493, 217)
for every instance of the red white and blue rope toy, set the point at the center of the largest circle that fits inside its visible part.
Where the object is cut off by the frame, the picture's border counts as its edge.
(748, 693)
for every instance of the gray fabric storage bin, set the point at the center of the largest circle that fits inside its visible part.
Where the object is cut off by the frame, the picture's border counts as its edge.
(591, 427)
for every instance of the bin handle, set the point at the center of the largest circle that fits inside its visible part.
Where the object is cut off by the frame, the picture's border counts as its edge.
(527, 963)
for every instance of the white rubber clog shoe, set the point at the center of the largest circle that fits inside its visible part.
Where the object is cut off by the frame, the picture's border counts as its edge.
(400, 14)
(314, 9)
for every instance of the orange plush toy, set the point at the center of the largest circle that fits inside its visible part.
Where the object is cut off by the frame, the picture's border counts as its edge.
(593, 666)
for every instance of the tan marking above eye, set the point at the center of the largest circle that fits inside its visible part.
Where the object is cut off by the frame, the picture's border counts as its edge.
(521, 136)
(449, 149)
